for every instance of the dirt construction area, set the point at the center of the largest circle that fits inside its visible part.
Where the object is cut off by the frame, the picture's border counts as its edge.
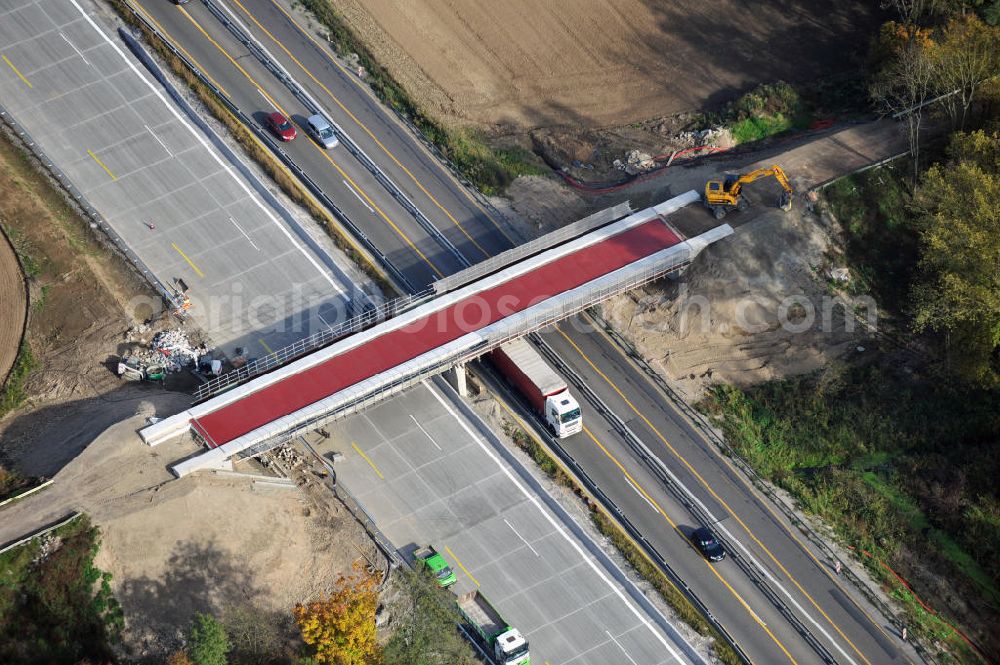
(521, 64)
(13, 305)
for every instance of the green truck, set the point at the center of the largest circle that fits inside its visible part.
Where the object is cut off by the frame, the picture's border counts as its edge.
(507, 645)
(428, 556)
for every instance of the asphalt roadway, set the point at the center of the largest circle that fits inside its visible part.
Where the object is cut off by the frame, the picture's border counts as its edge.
(828, 610)
(847, 628)
(255, 89)
(851, 630)
(184, 209)
(427, 475)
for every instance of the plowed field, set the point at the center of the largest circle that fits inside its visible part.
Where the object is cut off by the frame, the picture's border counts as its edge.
(13, 307)
(525, 63)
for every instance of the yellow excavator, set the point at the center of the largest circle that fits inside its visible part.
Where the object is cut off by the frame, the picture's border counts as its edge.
(721, 196)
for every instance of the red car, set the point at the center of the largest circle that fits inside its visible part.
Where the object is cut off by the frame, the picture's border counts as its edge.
(281, 126)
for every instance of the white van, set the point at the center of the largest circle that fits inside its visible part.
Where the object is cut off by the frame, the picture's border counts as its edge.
(321, 130)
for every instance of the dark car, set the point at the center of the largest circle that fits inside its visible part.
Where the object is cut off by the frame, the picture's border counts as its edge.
(708, 545)
(282, 128)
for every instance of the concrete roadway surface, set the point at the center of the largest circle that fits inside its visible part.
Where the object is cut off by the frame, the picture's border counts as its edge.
(850, 629)
(179, 205)
(314, 69)
(425, 474)
(257, 91)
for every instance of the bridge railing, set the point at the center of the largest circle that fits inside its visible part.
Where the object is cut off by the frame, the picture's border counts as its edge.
(313, 342)
(409, 374)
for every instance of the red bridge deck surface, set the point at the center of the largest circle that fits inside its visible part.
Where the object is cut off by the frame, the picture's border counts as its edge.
(396, 347)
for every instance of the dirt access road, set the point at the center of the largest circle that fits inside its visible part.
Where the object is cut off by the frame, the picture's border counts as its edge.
(520, 64)
(13, 307)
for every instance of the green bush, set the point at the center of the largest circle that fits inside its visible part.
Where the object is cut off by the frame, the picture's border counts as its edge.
(55, 605)
(208, 643)
(766, 110)
(14, 393)
(865, 446)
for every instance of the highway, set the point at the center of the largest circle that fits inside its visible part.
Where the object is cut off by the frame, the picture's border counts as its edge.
(428, 474)
(251, 86)
(846, 629)
(745, 520)
(184, 210)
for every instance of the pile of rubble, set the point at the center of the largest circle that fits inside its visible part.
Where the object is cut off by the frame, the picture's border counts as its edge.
(175, 350)
(635, 162)
(168, 351)
(717, 137)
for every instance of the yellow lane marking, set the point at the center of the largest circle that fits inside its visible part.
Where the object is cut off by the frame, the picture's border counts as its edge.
(368, 131)
(281, 165)
(645, 495)
(705, 484)
(101, 164)
(367, 459)
(264, 344)
(674, 526)
(460, 565)
(367, 198)
(18, 72)
(177, 45)
(766, 504)
(189, 261)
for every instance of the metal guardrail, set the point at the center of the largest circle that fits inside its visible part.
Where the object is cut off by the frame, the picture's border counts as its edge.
(702, 425)
(540, 244)
(408, 374)
(354, 506)
(306, 99)
(660, 471)
(40, 532)
(498, 386)
(97, 220)
(306, 345)
(375, 254)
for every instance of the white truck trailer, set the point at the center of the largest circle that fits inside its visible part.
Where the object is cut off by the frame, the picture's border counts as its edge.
(545, 390)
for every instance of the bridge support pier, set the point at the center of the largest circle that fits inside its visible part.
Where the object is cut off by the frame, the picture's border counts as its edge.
(456, 377)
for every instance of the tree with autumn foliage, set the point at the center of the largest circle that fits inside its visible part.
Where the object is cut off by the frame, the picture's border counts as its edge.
(341, 628)
(958, 294)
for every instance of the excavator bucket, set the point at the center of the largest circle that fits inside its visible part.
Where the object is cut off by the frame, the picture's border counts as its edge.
(785, 202)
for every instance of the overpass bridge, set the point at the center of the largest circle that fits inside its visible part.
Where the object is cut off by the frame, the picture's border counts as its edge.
(461, 322)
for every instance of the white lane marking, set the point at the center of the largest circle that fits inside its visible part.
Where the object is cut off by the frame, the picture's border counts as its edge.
(612, 637)
(153, 134)
(757, 564)
(555, 525)
(244, 234)
(204, 142)
(268, 100)
(358, 196)
(521, 537)
(425, 432)
(78, 52)
(641, 495)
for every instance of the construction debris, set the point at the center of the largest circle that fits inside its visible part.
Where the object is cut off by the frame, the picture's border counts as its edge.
(169, 351)
(635, 162)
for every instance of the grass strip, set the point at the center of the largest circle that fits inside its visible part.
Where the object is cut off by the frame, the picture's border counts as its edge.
(636, 557)
(490, 169)
(258, 152)
(14, 392)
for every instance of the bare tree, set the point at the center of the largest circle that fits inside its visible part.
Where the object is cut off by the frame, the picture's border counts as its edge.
(967, 55)
(903, 88)
(911, 11)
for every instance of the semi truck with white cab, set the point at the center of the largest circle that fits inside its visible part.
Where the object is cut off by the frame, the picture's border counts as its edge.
(507, 645)
(545, 390)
